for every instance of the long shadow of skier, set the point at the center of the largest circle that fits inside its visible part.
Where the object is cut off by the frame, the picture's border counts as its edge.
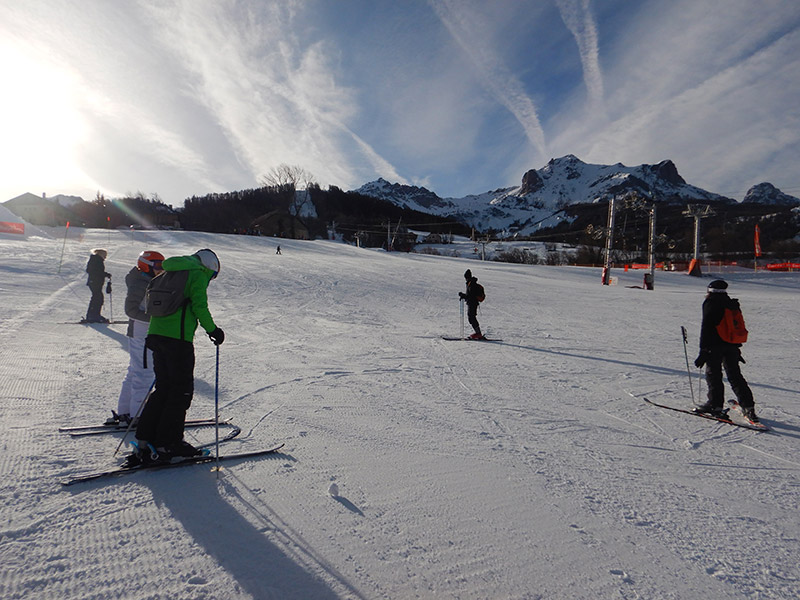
(244, 550)
(107, 331)
(631, 364)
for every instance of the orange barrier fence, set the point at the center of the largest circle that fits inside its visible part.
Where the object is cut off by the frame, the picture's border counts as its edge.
(787, 266)
(6, 227)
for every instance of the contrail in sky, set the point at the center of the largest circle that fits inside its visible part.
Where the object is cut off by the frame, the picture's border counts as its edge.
(578, 19)
(506, 88)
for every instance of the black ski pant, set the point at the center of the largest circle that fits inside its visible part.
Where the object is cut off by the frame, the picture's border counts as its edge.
(726, 357)
(472, 316)
(96, 302)
(164, 415)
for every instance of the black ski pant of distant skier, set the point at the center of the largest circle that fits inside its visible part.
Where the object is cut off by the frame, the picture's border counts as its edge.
(164, 416)
(726, 357)
(472, 316)
(96, 302)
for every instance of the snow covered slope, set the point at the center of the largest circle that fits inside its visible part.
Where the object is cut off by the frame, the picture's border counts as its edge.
(518, 469)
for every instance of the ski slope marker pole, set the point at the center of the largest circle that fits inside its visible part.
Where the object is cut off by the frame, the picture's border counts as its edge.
(63, 246)
(688, 370)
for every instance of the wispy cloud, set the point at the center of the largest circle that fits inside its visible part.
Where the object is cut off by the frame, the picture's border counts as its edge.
(578, 18)
(277, 99)
(718, 103)
(507, 89)
(191, 96)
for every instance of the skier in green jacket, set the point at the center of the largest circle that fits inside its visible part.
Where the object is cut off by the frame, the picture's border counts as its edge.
(159, 434)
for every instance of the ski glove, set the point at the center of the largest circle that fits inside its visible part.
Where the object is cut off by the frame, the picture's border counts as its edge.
(217, 336)
(741, 358)
(462, 295)
(701, 358)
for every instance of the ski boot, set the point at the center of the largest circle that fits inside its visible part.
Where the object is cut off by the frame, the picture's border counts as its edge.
(709, 409)
(749, 413)
(180, 449)
(114, 419)
(142, 454)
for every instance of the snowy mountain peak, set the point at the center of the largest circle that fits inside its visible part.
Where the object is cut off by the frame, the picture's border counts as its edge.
(545, 192)
(766, 193)
(408, 196)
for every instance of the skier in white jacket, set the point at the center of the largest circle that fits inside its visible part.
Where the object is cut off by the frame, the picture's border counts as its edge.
(139, 377)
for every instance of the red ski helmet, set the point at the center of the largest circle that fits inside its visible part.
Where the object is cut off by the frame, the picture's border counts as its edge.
(150, 261)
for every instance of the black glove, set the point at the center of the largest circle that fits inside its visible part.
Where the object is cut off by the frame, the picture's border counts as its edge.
(217, 336)
(741, 358)
(108, 287)
(462, 295)
(701, 359)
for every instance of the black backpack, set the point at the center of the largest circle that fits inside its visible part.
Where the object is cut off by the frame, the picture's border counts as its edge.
(165, 293)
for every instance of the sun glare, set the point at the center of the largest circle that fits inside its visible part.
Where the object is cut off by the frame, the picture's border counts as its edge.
(40, 122)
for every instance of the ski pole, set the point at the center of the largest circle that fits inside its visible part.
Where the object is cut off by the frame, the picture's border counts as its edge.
(688, 370)
(216, 408)
(461, 306)
(110, 299)
(136, 418)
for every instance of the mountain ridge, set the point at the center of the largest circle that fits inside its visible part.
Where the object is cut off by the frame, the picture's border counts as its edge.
(544, 193)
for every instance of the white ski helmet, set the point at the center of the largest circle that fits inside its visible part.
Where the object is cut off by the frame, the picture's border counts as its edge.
(209, 260)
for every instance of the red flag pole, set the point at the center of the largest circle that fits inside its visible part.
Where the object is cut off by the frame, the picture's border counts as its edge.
(757, 246)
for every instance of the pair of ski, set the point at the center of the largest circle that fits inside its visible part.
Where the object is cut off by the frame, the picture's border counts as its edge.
(747, 424)
(116, 427)
(82, 430)
(469, 339)
(192, 460)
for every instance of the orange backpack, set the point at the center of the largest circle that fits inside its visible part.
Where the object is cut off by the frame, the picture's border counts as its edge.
(731, 328)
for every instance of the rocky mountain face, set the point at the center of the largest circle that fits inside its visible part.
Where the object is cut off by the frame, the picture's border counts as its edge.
(766, 193)
(539, 201)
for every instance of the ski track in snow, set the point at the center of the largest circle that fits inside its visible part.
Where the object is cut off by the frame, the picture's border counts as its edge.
(517, 469)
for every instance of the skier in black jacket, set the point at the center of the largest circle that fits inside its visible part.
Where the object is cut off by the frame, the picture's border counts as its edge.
(472, 300)
(716, 354)
(96, 268)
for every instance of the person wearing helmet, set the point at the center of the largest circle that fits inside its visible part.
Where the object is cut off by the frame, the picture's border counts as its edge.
(139, 376)
(96, 269)
(716, 354)
(473, 296)
(159, 433)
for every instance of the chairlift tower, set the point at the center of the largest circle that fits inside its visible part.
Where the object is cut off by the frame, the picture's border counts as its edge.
(698, 212)
(609, 241)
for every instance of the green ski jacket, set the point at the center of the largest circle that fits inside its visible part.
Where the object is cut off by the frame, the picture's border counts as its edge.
(182, 324)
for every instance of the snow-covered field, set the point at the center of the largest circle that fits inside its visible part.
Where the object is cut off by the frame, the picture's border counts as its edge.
(519, 469)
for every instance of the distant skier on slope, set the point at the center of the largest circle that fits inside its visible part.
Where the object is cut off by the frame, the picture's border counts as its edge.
(716, 353)
(96, 268)
(474, 295)
(160, 431)
(139, 376)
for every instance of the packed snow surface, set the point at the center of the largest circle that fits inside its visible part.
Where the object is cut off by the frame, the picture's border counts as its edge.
(413, 467)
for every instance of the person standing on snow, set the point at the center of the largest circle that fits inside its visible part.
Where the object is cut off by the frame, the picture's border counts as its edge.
(96, 268)
(139, 376)
(473, 296)
(716, 354)
(160, 430)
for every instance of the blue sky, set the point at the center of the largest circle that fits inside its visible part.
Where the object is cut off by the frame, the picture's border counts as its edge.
(187, 97)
